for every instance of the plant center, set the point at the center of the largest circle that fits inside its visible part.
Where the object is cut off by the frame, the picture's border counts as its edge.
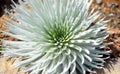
(60, 35)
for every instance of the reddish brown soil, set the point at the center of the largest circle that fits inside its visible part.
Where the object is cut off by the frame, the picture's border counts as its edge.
(112, 13)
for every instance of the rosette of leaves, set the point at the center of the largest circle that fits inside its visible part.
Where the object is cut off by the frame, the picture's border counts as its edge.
(56, 37)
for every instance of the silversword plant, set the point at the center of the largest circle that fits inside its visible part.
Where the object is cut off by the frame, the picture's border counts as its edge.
(56, 36)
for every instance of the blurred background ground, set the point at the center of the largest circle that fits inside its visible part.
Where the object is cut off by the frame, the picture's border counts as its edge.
(109, 9)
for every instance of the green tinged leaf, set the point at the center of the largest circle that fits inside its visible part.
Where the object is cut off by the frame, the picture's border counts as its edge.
(0, 48)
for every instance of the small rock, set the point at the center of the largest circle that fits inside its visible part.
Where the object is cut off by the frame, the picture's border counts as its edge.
(99, 8)
(112, 5)
(111, 15)
(118, 11)
(103, 9)
(99, 1)
(96, 7)
(118, 17)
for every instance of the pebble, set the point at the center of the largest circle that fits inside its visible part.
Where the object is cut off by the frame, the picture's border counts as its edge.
(112, 5)
(96, 7)
(118, 11)
(111, 15)
(118, 17)
(99, 1)
(104, 10)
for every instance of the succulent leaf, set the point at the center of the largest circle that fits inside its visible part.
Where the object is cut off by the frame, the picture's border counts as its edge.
(56, 36)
